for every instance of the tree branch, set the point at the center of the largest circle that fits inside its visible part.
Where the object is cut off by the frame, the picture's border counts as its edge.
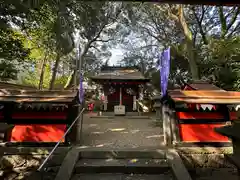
(151, 34)
(234, 18)
(101, 40)
(94, 48)
(199, 22)
(157, 26)
(234, 30)
(223, 22)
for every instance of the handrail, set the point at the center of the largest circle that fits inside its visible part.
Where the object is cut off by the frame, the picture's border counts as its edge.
(55, 147)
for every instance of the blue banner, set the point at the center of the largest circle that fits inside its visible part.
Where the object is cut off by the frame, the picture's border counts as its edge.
(164, 66)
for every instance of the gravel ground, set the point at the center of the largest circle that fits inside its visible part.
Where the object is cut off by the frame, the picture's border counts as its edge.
(121, 132)
(215, 173)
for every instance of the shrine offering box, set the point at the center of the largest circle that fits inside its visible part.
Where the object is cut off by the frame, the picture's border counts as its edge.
(119, 110)
(190, 117)
(37, 116)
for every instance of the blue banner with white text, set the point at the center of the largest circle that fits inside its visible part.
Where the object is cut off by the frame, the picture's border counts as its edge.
(164, 66)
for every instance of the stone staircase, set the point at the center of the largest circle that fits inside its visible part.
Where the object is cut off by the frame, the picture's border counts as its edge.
(124, 164)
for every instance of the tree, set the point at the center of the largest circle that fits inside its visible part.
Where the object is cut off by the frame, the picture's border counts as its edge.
(188, 30)
(64, 37)
(152, 33)
(12, 54)
(26, 16)
(217, 40)
(97, 24)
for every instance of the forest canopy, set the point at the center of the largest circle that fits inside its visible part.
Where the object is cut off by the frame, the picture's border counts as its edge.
(38, 41)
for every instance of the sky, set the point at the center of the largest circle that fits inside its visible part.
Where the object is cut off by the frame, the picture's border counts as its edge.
(117, 54)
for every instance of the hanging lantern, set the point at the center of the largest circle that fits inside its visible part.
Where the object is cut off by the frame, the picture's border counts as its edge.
(112, 90)
(129, 91)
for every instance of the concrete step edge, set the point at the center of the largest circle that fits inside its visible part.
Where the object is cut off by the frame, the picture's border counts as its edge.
(123, 154)
(122, 166)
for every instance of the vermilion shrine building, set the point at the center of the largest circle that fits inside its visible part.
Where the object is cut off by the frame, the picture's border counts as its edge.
(122, 86)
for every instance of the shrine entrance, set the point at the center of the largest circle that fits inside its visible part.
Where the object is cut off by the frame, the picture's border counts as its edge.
(127, 94)
(113, 93)
(122, 86)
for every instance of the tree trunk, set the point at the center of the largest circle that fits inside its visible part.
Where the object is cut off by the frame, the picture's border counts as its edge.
(43, 65)
(72, 79)
(190, 45)
(192, 60)
(54, 73)
(73, 76)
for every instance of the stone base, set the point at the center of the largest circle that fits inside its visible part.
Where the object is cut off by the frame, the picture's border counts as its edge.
(192, 161)
(205, 157)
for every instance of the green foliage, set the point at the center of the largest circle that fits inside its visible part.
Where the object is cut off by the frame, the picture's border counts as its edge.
(11, 46)
(215, 40)
(32, 78)
(33, 30)
(7, 71)
(220, 62)
(64, 30)
(60, 82)
(12, 54)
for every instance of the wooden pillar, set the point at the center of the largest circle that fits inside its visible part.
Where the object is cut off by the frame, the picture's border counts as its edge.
(158, 109)
(166, 126)
(134, 103)
(174, 127)
(140, 92)
(158, 106)
(120, 96)
(105, 103)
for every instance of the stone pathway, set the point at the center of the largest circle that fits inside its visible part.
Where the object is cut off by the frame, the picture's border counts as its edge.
(121, 132)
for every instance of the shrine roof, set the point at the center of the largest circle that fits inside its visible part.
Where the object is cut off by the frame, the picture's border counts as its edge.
(117, 68)
(204, 2)
(120, 75)
(7, 85)
(206, 97)
(203, 85)
(13, 95)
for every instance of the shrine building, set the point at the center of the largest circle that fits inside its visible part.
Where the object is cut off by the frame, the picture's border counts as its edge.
(121, 86)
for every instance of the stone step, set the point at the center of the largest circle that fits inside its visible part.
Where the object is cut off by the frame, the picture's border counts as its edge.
(122, 154)
(112, 176)
(115, 117)
(41, 176)
(135, 166)
(138, 117)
